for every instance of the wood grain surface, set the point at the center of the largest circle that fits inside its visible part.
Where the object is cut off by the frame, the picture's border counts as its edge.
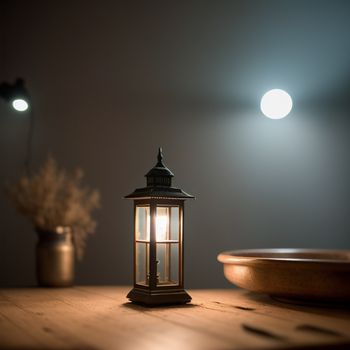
(102, 318)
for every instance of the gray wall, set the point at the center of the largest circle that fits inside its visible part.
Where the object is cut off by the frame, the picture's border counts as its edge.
(113, 80)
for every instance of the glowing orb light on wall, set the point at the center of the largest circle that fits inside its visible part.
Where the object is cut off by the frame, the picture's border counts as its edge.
(20, 105)
(16, 95)
(276, 104)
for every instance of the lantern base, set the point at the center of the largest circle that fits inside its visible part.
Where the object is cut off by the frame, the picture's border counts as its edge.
(158, 297)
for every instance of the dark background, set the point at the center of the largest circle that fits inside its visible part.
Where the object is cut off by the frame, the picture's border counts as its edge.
(113, 80)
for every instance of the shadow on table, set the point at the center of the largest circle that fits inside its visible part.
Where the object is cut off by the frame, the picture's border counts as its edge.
(338, 310)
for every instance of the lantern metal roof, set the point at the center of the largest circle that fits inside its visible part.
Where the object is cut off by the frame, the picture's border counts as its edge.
(159, 183)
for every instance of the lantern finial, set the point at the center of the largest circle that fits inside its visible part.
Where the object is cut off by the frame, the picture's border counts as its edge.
(160, 156)
(159, 183)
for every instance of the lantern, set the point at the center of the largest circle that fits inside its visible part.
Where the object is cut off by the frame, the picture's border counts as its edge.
(158, 242)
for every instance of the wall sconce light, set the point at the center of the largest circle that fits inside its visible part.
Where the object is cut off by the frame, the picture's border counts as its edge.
(158, 242)
(16, 94)
(276, 104)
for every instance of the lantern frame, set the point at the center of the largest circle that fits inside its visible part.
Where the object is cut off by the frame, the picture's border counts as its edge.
(159, 194)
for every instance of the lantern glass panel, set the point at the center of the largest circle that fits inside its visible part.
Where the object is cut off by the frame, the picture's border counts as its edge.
(142, 238)
(142, 266)
(162, 224)
(142, 223)
(175, 223)
(174, 263)
(168, 241)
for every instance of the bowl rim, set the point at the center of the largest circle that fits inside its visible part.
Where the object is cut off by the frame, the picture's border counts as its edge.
(236, 256)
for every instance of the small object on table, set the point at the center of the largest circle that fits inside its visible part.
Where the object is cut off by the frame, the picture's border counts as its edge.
(55, 258)
(60, 208)
(158, 243)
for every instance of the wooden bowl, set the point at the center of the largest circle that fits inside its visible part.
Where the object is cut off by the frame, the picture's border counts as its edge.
(307, 274)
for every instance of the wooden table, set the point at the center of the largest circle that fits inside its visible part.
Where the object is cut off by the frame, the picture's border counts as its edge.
(102, 318)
